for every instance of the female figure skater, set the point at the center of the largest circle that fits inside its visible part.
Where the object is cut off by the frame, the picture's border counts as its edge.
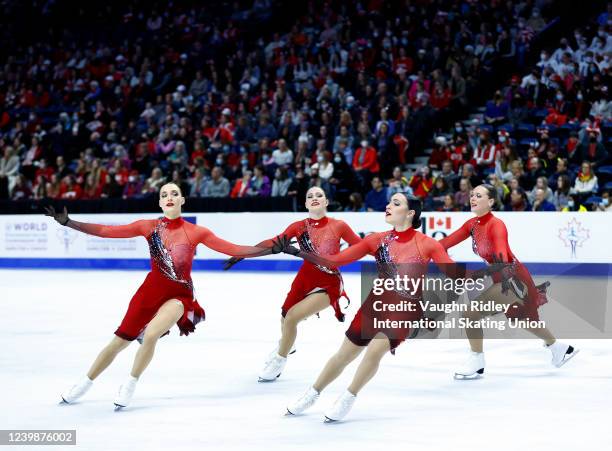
(513, 287)
(315, 287)
(401, 251)
(167, 295)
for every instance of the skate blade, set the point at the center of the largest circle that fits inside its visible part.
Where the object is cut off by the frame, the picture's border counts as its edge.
(568, 357)
(329, 420)
(118, 407)
(268, 380)
(63, 402)
(288, 413)
(471, 377)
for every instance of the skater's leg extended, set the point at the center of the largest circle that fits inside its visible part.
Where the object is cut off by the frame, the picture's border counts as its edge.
(167, 316)
(106, 356)
(370, 362)
(335, 365)
(366, 370)
(311, 305)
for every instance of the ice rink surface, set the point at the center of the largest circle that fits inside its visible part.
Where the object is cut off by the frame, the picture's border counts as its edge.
(201, 391)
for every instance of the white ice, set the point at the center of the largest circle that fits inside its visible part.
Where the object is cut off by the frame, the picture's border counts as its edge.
(201, 391)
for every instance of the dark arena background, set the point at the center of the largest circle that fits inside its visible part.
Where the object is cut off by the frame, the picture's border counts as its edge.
(156, 140)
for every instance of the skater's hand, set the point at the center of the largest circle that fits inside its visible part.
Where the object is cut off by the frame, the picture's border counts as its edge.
(62, 217)
(283, 244)
(231, 262)
(498, 265)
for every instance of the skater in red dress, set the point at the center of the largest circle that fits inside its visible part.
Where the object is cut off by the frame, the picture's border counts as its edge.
(401, 251)
(166, 297)
(315, 287)
(513, 287)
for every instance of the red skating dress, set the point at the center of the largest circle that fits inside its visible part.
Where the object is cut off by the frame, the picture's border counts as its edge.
(318, 237)
(490, 239)
(172, 244)
(401, 254)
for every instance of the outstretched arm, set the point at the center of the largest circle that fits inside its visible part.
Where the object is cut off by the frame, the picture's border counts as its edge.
(455, 270)
(456, 237)
(290, 232)
(353, 253)
(137, 228)
(209, 239)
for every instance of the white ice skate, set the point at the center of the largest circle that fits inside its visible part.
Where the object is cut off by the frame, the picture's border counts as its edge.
(274, 352)
(273, 368)
(77, 390)
(341, 407)
(305, 402)
(561, 353)
(473, 368)
(126, 392)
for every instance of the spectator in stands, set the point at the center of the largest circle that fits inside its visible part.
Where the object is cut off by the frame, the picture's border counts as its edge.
(365, 163)
(586, 182)
(283, 156)
(605, 204)
(397, 184)
(574, 204)
(591, 149)
(156, 180)
(217, 186)
(325, 168)
(281, 183)
(242, 185)
(376, 199)
(300, 184)
(540, 203)
(260, 183)
(496, 110)
(22, 189)
(435, 198)
(462, 197)
(518, 201)
(448, 204)
(197, 182)
(9, 170)
(355, 203)
(561, 196)
(541, 183)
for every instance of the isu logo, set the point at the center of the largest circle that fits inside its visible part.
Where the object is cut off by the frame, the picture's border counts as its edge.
(66, 236)
(573, 236)
(434, 226)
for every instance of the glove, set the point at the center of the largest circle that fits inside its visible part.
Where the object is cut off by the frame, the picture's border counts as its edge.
(498, 265)
(62, 218)
(231, 262)
(508, 281)
(283, 244)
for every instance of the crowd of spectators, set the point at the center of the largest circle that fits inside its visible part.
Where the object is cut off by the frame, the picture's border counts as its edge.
(346, 98)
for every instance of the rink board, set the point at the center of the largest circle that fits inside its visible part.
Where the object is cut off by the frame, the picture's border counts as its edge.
(549, 243)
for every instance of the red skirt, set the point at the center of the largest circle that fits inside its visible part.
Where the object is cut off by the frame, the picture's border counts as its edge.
(307, 280)
(364, 326)
(152, 294)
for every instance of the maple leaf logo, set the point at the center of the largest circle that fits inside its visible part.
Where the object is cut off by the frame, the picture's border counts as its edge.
(574, 235)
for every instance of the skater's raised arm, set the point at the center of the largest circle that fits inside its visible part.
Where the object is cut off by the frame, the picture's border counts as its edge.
(456, 237)
(434, 250)
(361, 249)
(138, 228)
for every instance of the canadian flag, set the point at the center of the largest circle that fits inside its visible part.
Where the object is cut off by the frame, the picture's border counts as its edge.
(439, 223)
